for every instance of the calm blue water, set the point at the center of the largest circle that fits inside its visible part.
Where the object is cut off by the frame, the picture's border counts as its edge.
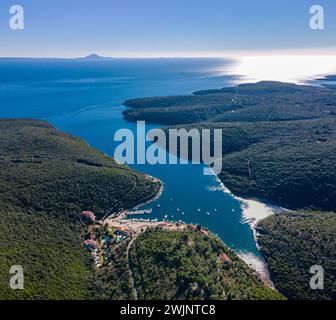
(85, 98)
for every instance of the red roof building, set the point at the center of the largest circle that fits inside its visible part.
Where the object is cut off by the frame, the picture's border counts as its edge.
(91, 244)
(224, 259)
(89, 215)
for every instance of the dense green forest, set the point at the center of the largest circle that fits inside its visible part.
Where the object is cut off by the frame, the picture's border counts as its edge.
(292, 244)
(43, 169)
(279, 139)
(112, 281)
(46, 179)
(184, 265)
(263, 101)
(51, 252)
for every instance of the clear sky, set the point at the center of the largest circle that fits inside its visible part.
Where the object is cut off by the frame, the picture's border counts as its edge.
(165, 27)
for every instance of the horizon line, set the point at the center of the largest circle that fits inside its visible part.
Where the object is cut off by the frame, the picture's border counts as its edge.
(176, 55)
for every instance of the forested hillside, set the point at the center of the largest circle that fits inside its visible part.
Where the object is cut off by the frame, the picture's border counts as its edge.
(47, 178)
(185, 265)
(263, 101)
(279, 139)
(292, 244)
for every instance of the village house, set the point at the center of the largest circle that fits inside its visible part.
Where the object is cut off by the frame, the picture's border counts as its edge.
(122, 232)
(90, 244)
(224, 259)
(89, 216)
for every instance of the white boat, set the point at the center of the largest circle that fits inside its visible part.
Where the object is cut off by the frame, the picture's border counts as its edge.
(199, 210)
(182, 213)
(166, 216)
(178, 209)
(158, 206)
(208, 213)
(233, 210)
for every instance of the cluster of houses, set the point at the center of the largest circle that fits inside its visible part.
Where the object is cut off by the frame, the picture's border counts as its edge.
(115, 235)
(120, 234)
(92, 246)
(111, 236)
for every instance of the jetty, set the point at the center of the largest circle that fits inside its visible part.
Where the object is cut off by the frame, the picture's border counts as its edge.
(138, 212)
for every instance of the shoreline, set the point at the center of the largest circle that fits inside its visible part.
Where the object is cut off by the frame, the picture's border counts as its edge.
(138, 206)
(249, 216)
(136, 226)
(251, 209)
(157, 195)
(250, 206)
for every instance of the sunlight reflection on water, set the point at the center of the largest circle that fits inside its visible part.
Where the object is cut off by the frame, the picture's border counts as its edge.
(296, 69)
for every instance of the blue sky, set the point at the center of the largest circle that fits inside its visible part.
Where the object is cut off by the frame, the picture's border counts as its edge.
(165, 27)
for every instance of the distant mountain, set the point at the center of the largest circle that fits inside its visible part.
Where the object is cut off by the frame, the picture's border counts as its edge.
(94, 57)
(89, 57)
